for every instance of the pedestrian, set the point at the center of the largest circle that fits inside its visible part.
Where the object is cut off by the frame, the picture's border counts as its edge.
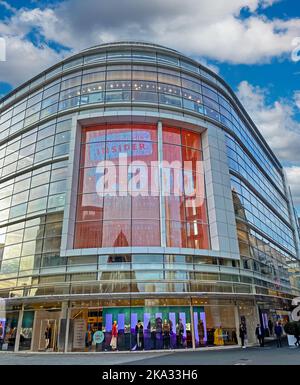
(271, 327)
(243, 334)
(278, 333)
(260, 335)
(297, 338)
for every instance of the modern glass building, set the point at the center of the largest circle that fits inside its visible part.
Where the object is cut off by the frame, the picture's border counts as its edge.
(171, 270)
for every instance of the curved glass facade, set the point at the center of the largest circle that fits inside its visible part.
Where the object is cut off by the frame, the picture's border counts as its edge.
(226, 249)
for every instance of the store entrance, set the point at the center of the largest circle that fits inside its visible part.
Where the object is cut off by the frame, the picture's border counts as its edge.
(46, 330)
(85, 333)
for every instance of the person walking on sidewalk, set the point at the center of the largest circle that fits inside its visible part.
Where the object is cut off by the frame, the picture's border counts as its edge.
(297, 338)
(243, 335)
(278, 332)
(259, 332)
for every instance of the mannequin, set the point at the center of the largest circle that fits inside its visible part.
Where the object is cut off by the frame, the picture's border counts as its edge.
(179, 334)
(1, 334)
(166, 334)
(89, 338)
(1, 330)
(139, 335)
(48, 333)
(218, 336)
(201, 332)
(114, 336)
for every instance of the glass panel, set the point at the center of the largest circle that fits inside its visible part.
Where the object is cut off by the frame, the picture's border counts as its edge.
(89, 207)
(171, 135)
(170, 100)
(191, 139)
(93, 77)
(145, 233)
(176, 234)
(116, 233)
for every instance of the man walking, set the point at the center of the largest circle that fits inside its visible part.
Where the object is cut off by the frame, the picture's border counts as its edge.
(278, 333)
(297, 338)
(243, 334)
(260, 335)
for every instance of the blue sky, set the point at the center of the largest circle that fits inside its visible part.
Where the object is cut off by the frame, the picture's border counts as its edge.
(248, 42)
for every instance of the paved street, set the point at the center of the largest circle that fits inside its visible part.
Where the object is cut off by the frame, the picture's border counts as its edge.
(270, 355)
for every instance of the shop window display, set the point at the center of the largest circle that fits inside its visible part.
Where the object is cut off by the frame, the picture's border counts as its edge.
(136, 328)
(8, 329)
(151, 328)
(26, 331)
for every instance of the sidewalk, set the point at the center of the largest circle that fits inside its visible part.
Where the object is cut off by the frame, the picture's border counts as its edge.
(203, 349)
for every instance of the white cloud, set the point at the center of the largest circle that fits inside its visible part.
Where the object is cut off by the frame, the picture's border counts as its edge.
(7, 6)
(24, 60)
(297, 98)
(202, 28)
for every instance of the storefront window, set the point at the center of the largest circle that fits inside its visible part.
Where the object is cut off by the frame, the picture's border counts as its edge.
(130, 328)
(154, 327)
(8, 331)
(26, 330)
(215, 326)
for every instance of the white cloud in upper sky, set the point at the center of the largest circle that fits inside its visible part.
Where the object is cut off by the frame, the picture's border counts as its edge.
(24, 60)
(202, 28)
(297, 98)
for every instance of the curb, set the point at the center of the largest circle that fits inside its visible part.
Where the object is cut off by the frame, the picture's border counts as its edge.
(205, 349)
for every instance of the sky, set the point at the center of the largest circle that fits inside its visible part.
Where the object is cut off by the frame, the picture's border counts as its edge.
(253, 44)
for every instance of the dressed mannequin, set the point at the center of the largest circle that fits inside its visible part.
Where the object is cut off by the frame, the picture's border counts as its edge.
(48, 334)
(201, 332)
(159, 333)
(166, 334)
(139, 331)
(89, 339)
(1, 334)
(179, 334)
(153, 334)
(218, 336)
(114, 336)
